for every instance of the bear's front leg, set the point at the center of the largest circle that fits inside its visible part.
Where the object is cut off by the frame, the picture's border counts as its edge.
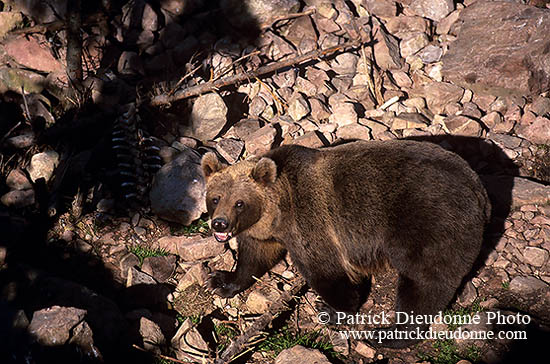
(255, 257)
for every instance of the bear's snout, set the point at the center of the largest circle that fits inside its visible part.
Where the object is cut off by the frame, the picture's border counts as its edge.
(220, 224)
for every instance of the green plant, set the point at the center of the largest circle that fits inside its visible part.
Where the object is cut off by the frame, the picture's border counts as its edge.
(224, 334)
(143, 252)
(506, 285)
(284, 339)
(200, 226)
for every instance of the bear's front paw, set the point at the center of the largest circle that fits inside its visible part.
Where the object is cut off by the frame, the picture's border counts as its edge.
(223, 283)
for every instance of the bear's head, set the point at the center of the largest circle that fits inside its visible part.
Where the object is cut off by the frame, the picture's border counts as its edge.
(237, 196)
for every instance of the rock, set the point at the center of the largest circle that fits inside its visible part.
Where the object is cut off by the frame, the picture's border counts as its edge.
(386, 51)
(14, 79)
(463, 125)
(382, 9)
(230, 149)
(468, 295)
(345, 64)
(42, 165)
(151, 334)
(402, 25)
(176, 7)
(33, 52)
(261, 140)
(444, 26)
(409, 120)
(319, 111)
(243, 128)
(540, 106)
(365, 350)
(298, 107)
(526, 285)
(509, 55)
(527, 192)
(492, 119)
(188, 341)
(538, 132)
(130, 63)
(343, 113)
(353, 131)
(256, 106)
(160, 268)
(149, 20)
(9, 20)
(41, 11)
(430, 54)
(258, 301)
(255, 13)
(311, 139)
(208, 116)
(178, 191)
(56, 326)
(412, 44)
(299, 354)
(432, 9)
(191, 249)
(128, 261)
(439, 94)
(18, 198)
(17, 180)
(197, 274)
(535, 256)
(135, 277)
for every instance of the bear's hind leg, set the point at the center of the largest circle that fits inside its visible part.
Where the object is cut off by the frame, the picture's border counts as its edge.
(416, 297)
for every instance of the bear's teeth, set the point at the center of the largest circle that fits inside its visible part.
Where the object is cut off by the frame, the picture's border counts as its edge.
(221, 237)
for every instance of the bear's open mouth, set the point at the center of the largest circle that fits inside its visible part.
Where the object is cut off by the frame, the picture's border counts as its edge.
(222, 237)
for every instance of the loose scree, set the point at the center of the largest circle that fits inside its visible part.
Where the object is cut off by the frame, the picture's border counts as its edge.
(344, 212)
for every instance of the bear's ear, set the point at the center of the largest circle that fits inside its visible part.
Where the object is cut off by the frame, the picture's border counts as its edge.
(210, 164)
(265, 171)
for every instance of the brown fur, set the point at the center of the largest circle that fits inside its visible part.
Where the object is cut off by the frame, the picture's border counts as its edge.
(345, 211)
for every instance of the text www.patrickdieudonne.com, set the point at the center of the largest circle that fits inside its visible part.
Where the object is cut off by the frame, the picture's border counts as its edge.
(491, 319)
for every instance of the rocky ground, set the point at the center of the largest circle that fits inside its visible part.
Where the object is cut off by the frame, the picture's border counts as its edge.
(105, 246)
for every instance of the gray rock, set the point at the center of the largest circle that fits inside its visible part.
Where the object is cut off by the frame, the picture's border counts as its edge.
(256, 106)
(151, 335)
(128, 261)
(230, 149)
(258, 301)
(430, 54)
(299, 354)
(188, 341)
(18, 199)
(243, 128)
(319, 111)
(432, 9)
(178, 190)
(43, 165)
(540, 106)
(208, 116)
(509, 55)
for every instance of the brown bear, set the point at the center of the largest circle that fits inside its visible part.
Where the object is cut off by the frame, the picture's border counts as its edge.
(342, 212)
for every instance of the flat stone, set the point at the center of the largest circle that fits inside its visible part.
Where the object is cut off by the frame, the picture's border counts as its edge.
(510, 53)
(135, 277)
(381, 8)
(160, 268)
(33, 52)
(439, 94)
(526, 285)
(463, 125)
(311, 139)
(386, 51)
(365, 350)
(412, 44)
(353, 131)
(191, 249)
(535, 256)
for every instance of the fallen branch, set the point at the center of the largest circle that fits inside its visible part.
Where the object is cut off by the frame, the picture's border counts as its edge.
(260, 324)
(230, 80)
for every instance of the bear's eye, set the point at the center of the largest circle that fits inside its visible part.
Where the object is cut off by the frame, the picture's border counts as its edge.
(239, 204)
(215, 200)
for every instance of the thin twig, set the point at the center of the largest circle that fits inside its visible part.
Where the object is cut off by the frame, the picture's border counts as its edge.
(288, 17)
(164, 356)
(230, 80)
